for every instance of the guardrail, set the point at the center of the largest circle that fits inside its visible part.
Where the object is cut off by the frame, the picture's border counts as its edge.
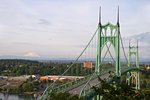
(70, 85)
(91, 91)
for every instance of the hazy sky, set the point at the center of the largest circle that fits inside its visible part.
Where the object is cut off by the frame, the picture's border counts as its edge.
(59, 28)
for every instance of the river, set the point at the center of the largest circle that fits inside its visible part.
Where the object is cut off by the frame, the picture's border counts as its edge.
(16, 97)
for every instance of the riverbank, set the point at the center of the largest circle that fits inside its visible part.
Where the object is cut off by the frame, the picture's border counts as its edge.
(7, 96)
(18, 87)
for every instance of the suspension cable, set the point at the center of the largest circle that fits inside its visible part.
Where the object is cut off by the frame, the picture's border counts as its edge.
(87, 82)
(123, 48)
(72, 63)
(79, 55)
(92, 49)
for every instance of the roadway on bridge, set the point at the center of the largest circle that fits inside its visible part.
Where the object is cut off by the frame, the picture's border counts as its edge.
(93, 82)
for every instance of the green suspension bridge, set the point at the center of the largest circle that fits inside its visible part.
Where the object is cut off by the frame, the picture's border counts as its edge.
(106, 36)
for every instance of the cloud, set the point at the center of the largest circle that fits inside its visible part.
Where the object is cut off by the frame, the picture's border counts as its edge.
(28, 25)
(31, 54)
(143, 37)
(24, 43)
(143, 43)
(44, 21)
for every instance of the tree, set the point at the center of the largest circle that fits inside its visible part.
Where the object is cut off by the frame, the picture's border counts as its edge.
(27, 87)
(117, 91)
(64, 96)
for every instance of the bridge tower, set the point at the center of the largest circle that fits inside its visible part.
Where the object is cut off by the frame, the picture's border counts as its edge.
(108, 33)
(133, 50)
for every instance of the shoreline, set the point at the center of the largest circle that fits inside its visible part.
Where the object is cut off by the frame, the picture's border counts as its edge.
(24, 93)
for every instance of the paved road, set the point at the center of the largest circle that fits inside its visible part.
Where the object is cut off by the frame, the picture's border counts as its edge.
(93, 82)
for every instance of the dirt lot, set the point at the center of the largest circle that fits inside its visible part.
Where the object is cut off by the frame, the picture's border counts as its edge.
(7, 83)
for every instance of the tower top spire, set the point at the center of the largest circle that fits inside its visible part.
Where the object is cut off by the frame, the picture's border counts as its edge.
(100, 15)
(118, 15)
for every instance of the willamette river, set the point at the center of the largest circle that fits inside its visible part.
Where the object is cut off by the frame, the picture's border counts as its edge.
(16, 97)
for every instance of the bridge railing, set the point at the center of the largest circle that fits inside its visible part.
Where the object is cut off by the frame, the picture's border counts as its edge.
(65, 87)
(85, 91)
(91, 91)
(70, 85)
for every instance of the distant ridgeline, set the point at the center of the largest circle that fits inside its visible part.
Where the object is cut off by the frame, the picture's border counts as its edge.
(21, 61)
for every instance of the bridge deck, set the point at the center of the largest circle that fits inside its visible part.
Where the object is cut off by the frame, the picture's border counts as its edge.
(92, 83)
(95, 81)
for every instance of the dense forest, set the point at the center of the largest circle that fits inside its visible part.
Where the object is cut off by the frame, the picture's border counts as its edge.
(16, 67)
